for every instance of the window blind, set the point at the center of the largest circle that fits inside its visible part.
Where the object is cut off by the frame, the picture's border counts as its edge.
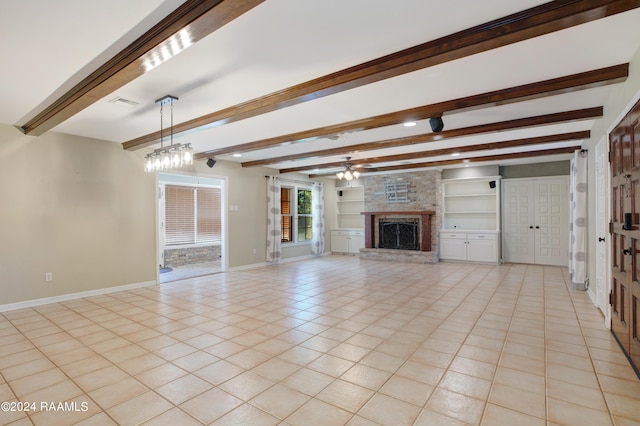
(192, 215)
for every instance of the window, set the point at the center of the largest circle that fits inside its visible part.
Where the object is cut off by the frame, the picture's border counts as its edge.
(192, 215)
(295, 206)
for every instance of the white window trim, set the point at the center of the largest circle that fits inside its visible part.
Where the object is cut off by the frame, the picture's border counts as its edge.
(294, 216)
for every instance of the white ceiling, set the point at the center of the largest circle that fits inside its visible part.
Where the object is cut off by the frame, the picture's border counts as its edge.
(50, 46)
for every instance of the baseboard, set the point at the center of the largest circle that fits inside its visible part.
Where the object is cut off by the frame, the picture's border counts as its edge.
(72, 296)
(290, 259)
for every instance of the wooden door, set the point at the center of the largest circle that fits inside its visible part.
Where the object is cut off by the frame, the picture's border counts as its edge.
(624, 149)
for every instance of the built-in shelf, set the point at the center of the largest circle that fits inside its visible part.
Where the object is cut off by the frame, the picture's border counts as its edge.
(350, 204)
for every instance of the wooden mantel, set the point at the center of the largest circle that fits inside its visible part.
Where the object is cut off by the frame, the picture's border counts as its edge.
(425, 219)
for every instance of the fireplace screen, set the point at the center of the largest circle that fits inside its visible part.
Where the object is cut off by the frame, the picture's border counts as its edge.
(400, 234)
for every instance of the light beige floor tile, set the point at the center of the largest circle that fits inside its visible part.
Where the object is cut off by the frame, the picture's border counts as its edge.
(623, 406)
(279, 401)
(139, 409)
(308, 381)
(579, 395)
(99, 378)
(115, 393)
(407, 390)
(566, 413)
(430, 418)
(421, 372)
(318, 413)
(37, 381)
(495, 415)
(183, 388)
(520, 400)
(348, 396)
(276, 369)
(246, 385)
(466, 385)
(247, 414)
(365, 376)
(386, 410)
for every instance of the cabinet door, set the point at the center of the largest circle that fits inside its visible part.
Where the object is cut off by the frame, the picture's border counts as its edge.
(482, 250)
(339, 243)
(453, 248)
(356, 242)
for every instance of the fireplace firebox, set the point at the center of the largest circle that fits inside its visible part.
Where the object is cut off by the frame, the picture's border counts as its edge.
(399, 233)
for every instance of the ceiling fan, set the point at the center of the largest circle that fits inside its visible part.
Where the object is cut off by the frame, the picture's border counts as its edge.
(350, 171)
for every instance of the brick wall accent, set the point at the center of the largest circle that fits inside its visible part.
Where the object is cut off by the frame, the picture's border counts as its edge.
(425, 193)
(190, 255)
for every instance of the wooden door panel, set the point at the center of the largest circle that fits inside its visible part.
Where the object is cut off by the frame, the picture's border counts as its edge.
(634, 326)
(624, 147)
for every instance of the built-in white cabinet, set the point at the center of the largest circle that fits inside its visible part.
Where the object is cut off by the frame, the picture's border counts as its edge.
(350, 205)
(471, 219)
(469, 246)
(347, 240)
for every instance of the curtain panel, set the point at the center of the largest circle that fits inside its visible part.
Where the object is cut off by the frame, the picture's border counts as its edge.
(274, 237)
(317, 217)
(578, 221)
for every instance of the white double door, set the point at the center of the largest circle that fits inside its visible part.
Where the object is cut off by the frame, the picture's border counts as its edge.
(536, 220)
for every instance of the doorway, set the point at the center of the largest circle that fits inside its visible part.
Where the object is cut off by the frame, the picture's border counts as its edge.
(191, 226)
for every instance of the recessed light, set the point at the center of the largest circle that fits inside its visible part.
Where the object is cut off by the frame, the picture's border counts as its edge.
(237, 155)
(409, 123)
(455, 154)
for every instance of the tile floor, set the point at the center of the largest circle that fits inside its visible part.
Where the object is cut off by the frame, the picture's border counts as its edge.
(330, 341)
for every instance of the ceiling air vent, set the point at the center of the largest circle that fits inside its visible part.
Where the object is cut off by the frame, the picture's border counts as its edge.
(124, 102)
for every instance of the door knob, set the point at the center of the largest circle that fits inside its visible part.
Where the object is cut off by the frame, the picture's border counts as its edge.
(531, 227)
(627, 251)
(600, 239)
(537, 227)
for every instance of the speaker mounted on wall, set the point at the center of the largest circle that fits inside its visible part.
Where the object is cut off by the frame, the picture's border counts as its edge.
(211, 162)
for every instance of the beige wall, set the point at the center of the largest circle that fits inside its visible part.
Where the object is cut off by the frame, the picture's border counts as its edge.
(84, 210)
(79, 208)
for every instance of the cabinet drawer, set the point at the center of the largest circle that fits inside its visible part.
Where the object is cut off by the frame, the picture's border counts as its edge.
(347, 233)
(481, 236)
(453, 235)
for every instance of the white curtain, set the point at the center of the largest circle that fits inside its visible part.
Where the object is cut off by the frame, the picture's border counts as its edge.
(274, 238)
(578, 220)
(317, 217)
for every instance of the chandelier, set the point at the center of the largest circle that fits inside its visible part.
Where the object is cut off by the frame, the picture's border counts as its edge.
(174, 155)
(349, 173)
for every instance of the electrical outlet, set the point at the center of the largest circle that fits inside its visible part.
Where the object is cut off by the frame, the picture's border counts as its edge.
(48, 276)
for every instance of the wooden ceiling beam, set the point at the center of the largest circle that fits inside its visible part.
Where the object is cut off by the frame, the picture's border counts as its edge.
(539, 140)
(565, 84)
(519, 123)
(540, 20)
(198, 18)
(460, 162)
